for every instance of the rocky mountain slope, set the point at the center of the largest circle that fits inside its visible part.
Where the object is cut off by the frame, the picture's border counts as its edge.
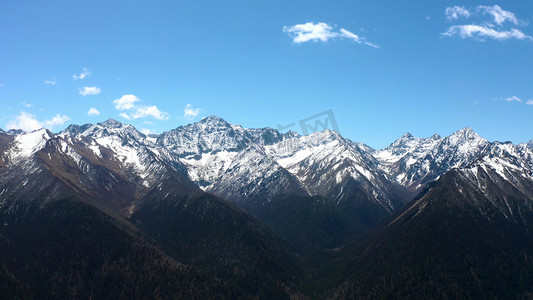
(467, 235)
(252, 168)
(111, 172)
(445, 204)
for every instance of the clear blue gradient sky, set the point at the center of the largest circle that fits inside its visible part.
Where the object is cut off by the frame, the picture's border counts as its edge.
(250, 63)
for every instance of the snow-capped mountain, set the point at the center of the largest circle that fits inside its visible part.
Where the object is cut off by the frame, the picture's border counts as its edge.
(242, 165)
(108, 164)
(137, 153)
(108, 189)
(504, 169)
(473, 222)
(414, 162)
(251, 167)
(229, 160)
(319, 191)
(464, 228)
(328, 165)
(258, 165)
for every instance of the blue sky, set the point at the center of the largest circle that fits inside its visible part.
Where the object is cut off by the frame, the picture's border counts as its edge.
(383, 67)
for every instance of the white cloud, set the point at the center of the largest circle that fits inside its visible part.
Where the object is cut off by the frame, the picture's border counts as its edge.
(57, 120)
(513, 98)
(90, 90)
(189, 112)
(322, 32)
(26, 104)
(455, 12)
(309, 31)
(147, 131)
(145, 111)
(492, 28)
(480, 32)
(93, 112)
(125, 116)
(28, 122)
(51, 82)
(24, 121)
(498, 14)
(529, 102)
(354, 37)
(350, 35)
(85, 73)
(361, 40)
(126, 102)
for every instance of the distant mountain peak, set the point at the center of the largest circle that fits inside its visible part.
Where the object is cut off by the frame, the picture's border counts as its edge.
(465, 134)
(404, 139)
(293, 134)
(15, 131)
(408, 138)
(213, 120)
(75, 129)
(465, 131)
(328, 131)
(35, 132)
(326, 135)
(111, 123)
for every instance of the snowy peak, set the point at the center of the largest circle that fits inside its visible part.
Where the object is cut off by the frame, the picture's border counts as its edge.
(103, 128)
(405, 137)
(214, 120)
(407, 146)
(26, 144)
(210, 134)
(322, 137)
(291, 134)
(74, 130)
(467, 131)
(215, 134)
(507, 160)
(414, 162)
(264, 136)
(463, 144)
(15, 131)
(409, 142)
(465, 135)
(406, 141)
(111, 123)
(328, 134)
(108, 129)
(209, 124)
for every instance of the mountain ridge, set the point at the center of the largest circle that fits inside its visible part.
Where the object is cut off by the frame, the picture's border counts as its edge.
(269, 202)
(251, 167)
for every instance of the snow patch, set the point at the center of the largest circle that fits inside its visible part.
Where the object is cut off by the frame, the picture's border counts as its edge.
(27, 144)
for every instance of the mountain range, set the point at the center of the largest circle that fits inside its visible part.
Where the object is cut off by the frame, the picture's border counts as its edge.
(213, 209)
